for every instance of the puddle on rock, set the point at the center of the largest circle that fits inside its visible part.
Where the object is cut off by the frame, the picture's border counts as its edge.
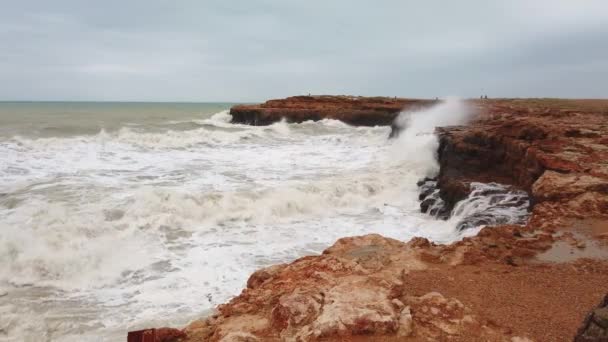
(563, 251)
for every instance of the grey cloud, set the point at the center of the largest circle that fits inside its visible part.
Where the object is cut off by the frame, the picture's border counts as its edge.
(252, 50)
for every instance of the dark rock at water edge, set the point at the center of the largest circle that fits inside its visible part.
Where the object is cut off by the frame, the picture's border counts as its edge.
(595, 325)
(353, 110)
(484, 204)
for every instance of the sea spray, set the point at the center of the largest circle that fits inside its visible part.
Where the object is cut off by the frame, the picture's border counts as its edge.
(416, 144)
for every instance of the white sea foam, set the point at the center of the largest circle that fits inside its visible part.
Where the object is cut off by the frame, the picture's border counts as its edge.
(136, 226)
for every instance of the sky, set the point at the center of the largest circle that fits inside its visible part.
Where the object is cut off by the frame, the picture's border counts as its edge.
(253, 50)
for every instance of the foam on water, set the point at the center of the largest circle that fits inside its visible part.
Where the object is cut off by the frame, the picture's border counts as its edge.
(138, 226)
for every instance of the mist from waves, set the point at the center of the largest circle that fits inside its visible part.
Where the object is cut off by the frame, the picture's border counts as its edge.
(156, 221)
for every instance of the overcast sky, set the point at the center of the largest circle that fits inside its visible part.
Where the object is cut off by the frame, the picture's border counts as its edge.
(168, 50)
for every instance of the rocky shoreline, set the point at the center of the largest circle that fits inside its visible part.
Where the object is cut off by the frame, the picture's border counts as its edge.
(537, 281)
(353, 110)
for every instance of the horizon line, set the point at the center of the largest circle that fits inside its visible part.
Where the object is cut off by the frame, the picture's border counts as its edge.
(270, 98)
(117, 101)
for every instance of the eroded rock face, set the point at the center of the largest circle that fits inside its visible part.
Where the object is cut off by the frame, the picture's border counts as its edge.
(558, 155)
(353, 110)
(156, 335)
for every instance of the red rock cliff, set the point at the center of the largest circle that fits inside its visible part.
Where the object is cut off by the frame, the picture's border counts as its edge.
(519, 141)
(353, 110)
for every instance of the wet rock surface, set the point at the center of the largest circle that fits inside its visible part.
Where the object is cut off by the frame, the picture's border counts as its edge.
(486, 204)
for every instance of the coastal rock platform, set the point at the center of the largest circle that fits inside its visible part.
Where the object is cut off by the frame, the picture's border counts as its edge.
(353, 110)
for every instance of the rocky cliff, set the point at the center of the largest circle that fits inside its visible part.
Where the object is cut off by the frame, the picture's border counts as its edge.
(554, 149)
(353, 110)
(535, 281)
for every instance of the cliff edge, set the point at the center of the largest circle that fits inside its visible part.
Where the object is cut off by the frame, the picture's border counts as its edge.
(531, 282)
(353, 110)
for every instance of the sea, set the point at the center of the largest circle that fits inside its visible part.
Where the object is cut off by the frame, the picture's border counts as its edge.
(122, 216)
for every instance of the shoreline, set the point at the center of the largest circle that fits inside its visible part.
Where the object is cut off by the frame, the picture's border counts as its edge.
(501, 284)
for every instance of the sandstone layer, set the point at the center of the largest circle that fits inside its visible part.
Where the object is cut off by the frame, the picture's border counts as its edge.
(353, 110)
(532, 282)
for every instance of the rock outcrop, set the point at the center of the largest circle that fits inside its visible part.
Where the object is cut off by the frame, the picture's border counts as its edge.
(595, 326)
(354, 289)
(353, 110)
(554, 149)
(156, 335)
(374, 288)
(536, 281)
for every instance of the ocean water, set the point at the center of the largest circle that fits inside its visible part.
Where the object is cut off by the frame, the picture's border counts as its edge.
(120, 216)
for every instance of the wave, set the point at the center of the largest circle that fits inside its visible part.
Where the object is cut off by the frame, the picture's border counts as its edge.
(215, 131)
(130, 137)
(70, 238)
(155, 219)
(53, 243)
